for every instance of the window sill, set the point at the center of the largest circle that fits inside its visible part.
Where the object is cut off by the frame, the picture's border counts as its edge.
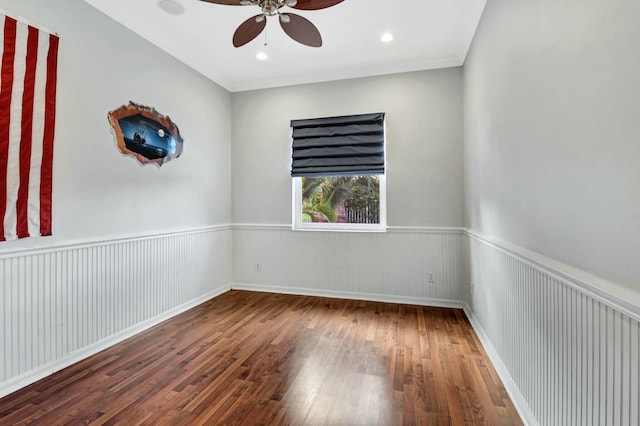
(341, 228)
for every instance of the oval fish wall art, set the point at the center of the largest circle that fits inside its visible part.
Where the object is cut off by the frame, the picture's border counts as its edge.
(145, 134)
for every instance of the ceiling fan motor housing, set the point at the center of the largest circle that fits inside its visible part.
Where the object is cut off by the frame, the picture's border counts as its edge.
(269, 7)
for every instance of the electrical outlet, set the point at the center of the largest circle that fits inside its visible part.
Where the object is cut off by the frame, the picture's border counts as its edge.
(431, 280)
(258, 267)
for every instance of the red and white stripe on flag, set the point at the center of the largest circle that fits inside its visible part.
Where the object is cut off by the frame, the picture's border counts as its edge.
(27, 121)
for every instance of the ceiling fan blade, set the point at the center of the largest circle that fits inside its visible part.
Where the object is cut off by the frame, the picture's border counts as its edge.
(301, 30)
(315, 4)
(225, 2)
(248, 30)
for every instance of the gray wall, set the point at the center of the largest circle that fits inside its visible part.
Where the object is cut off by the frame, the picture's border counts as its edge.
(97, 191)
(132, 245)
(552, 97)
(552, 192)
(424, 144)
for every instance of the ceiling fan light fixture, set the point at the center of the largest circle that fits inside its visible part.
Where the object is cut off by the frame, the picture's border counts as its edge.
(291, 3)
(260, 18)
(284, 18)
(261, 56)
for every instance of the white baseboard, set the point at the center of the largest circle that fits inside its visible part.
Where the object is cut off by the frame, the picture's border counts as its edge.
(388, 298)
(40, 373)
(518, 400)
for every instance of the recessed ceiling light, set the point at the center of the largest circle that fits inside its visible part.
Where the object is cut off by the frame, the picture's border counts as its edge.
(386, 37)
(172, 7)
(261, 56)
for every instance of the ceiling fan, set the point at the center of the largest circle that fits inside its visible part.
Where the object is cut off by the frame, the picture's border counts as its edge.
(298, 28)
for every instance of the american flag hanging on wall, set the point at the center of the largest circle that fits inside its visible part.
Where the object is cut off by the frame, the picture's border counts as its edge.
(27, 122)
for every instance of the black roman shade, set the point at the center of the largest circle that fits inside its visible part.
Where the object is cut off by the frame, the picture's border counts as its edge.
(338, 146)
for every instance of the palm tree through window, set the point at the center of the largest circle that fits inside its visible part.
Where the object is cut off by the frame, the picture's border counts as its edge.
(341, 199)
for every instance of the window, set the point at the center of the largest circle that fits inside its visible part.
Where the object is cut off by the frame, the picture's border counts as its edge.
(338, 173)
(339, 202)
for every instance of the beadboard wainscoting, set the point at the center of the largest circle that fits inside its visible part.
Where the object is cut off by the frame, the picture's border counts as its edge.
(404, 265)
(566, 350)
(59, 305)
(565, 343)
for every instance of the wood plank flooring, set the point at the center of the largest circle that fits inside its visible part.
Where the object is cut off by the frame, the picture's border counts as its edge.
(247, 358)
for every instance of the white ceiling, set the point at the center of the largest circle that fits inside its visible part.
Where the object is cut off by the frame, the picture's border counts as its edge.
(427, 34)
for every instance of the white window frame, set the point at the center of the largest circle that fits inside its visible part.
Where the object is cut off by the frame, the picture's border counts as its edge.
(299, 225)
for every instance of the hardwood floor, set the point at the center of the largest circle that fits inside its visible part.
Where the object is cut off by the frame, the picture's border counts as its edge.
(248, 358)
